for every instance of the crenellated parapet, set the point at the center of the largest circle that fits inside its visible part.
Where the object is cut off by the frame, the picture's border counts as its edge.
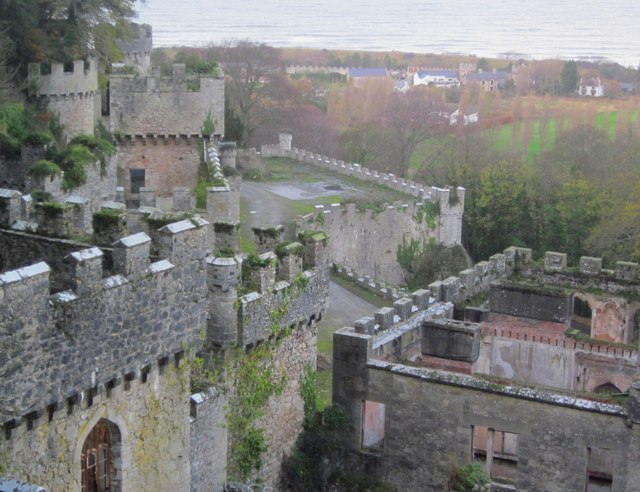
(450, 200)
(114, 321)
(148, 105)
(76, 79)
(71, 91)
(289, 289)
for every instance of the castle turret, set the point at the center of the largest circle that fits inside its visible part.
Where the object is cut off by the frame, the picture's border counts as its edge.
(71, 91)
(136, 50)
(223, 277)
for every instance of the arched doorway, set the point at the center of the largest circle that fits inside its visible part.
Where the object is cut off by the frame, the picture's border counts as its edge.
(100, 459)
(582, 315)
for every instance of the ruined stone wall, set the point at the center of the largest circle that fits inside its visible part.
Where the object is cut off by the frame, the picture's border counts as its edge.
(429, 416)
(165, 106)
(368, 241)
(428, 427)
(151, 416)
(528, 362)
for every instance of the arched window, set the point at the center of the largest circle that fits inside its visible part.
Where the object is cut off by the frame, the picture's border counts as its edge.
(100, 459)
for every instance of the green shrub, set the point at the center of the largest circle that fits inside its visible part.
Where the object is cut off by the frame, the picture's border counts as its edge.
(44, 168)
(464, 478)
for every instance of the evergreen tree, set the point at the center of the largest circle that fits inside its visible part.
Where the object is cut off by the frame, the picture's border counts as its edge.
(569, 77)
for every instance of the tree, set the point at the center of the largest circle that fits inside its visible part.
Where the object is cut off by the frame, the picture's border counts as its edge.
(569, 77)
(411, 118)
(63, 30)
(248, 66)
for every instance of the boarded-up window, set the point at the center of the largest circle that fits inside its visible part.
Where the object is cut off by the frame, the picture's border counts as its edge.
(373, 425)
(599, 470)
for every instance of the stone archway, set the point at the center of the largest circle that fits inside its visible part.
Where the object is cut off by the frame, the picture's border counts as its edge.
(100, 459)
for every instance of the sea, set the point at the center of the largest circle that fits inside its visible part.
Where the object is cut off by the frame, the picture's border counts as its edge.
(531, 29)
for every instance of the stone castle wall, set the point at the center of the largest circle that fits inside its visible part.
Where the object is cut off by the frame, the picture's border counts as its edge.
(165, 106)
(89, 325)
(150, 414)
(368, 241)
(450, 201)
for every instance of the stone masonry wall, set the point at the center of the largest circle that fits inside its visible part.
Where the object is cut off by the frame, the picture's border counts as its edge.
(169, 162)
(160, 106)
(285, 412)
(368, 241)
(208, 441)
(151, 417)
(59, 346)
(428, 427)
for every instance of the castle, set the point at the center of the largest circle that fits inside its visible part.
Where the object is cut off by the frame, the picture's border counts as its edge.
(123, 330)
(131, 333)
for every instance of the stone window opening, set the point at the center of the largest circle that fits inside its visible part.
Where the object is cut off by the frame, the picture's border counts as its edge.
(137, 177)
(373, 421)
(498, 451)
(100, 459)
(599, 470)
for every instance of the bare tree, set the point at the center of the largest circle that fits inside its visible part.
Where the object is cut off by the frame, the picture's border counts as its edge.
(248, 67)
(411, 118)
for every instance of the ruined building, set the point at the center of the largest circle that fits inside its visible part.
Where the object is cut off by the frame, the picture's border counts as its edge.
(538, 385)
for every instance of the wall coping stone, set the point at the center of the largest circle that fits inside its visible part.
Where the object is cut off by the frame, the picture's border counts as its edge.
(522, 392)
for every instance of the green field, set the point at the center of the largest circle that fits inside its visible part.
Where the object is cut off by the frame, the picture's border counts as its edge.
(511, 137)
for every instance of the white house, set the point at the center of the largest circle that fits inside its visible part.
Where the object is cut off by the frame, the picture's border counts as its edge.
(591, 87)
(437, 77)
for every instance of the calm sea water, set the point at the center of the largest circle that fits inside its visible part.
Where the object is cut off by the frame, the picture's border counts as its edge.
(585, 29)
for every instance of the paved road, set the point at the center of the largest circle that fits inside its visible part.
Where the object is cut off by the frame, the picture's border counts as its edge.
(265, 208)
(344, 308)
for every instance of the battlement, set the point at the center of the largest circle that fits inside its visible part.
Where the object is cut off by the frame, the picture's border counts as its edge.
(97, 321)
(553, 272)
(290, 288)
(147, 105)
(77, 78)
